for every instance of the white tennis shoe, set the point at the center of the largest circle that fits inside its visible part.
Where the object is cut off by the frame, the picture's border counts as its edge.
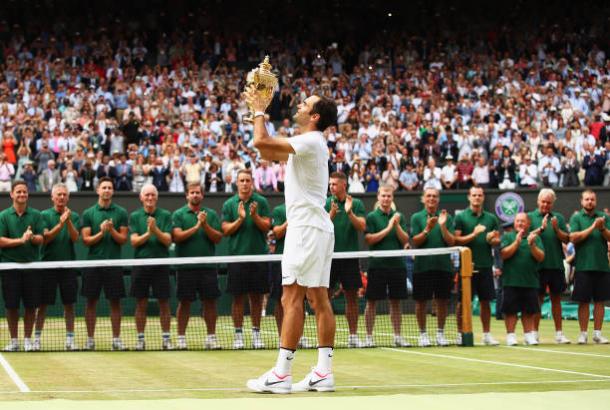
(271, 382)
(315, 381)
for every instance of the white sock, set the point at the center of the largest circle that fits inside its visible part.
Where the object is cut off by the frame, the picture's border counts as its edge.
(182, 337)
(26, 340)
(597, 333)
(14, 341)
(584, 333)
(90, 339)
(511, 335)
(283, 366)
(116, 339)
(559, 333)
(325, 360)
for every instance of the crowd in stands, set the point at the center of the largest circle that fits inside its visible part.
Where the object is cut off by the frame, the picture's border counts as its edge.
(502, 108)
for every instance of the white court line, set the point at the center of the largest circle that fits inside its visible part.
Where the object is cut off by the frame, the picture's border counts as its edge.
(380, 386)
(535, 349)
(23, 388)
(522, 366)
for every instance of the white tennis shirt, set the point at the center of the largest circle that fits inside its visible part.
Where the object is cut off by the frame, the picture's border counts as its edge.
(306, 182)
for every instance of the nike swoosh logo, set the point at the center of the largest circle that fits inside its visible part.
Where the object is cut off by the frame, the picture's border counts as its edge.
(268, 383)
(290, 358)
(311, 384)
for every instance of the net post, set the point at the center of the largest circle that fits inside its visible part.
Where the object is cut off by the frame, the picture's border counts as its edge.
(466, 276)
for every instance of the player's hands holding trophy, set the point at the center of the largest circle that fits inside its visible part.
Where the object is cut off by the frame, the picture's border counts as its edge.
(261, 84)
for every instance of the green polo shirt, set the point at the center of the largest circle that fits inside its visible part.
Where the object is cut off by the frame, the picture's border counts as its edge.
(61, 248)
(138, 224)
(592, 253)
(433, 240)
(107, 248)
(553, 249)
(346, 236)
(376, 221)
(248, 240)
(13, 226)
(278, 217)
(522, 269)
(465, 222)
(199, 244)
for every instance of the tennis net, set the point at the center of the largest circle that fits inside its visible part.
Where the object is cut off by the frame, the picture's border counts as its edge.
(159, 302)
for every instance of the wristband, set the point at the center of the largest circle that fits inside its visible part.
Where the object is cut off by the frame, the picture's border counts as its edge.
(259, 114)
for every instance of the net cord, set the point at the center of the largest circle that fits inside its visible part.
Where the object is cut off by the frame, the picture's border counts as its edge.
(217, 259)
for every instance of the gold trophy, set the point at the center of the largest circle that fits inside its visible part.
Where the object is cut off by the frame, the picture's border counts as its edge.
(264, 82)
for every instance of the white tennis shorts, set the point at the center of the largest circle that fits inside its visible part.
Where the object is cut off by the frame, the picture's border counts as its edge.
(308, 254)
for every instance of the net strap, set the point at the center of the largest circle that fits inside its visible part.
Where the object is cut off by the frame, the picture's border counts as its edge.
(219, 259)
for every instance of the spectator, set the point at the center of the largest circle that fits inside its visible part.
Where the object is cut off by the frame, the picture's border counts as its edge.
(264, 178)
(549, 168)
(371, 177)
(7, 170)
(465, 168)
(49, 177)
(593, 163)
(449, 173)
(528, 173)
(355, 180)
(569, 169)
(480, 174)
(432, 175)
(408, 178)
(389, 177)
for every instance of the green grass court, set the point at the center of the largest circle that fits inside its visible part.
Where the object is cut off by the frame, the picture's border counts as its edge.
(381, 372)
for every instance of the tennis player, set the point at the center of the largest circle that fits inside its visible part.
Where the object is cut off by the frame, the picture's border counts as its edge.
(309, 240)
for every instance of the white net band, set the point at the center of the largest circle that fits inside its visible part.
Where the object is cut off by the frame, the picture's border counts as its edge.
(218, 259)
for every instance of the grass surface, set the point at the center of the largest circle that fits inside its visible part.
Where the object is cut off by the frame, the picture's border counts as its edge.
(365, 372)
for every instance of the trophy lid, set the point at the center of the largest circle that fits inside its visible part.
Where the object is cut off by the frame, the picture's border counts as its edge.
(264, 74)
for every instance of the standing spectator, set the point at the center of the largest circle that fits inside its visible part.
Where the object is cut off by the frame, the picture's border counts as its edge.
(355, 185)
(371, 177)
(176, 178)
(593, 163)
(348, 216)
(21, 229)
(551, 227)
(528, 173)
(124, 175)
(480, 174)
(159, 173)
(264, 178)
(7, 170)
(569, 169)
(449, 173)
(245, 221)
(104, 231)
(465, 168)
(408, 178)
(590, 233)
(196, 232)
(61, 226)
(150, 228)
(213, 179)
(390, 176)
(432, 278)
(29, 176)
(549, 168)
(521, 252)
(387, 279)
(432, 175)
(49, 177)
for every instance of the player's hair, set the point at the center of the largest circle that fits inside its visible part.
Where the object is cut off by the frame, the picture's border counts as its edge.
(149, 186)
(18, 182)
(193, 185)
(244, 171)
(385, 187)
(586, 191)
(547, 191)
(106, 179)
(59, 185)
(339, 175)
(476, 187)
(327, 109)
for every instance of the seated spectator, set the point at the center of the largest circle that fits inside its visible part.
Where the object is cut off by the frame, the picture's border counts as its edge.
(449, 173)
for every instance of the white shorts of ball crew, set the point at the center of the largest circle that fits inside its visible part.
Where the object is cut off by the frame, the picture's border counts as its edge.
(308, 253)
